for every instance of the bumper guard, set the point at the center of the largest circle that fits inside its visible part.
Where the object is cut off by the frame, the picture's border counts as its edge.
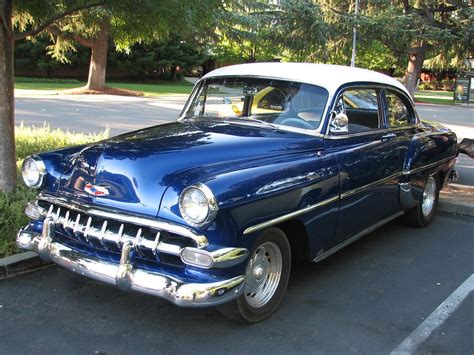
(126, 277)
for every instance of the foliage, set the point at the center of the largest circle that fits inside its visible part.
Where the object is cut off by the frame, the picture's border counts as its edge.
(31, 140)
(21, 79)
(160, 58)
(130, 21)
(12, 217)
(446, 28)
(427, 86)
(375, 56)
(243, 32)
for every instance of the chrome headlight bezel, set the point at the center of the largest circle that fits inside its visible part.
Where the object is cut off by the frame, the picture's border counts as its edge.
(212, 206)
(40, 168)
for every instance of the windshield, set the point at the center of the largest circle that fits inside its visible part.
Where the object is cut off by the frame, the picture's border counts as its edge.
(275, 102)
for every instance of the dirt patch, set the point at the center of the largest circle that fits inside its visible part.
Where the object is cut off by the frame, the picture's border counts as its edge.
(104, 91)
(459, 193)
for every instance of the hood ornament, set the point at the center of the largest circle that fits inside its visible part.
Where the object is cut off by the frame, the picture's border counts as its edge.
(96, 190)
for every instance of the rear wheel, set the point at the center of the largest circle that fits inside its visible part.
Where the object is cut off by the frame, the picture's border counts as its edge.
(266, 279)
(422, 214)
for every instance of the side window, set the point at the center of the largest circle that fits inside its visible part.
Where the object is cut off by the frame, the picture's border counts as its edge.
(362, 109)
(398, 114)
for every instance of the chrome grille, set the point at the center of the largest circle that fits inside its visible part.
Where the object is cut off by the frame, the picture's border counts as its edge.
(110, 235)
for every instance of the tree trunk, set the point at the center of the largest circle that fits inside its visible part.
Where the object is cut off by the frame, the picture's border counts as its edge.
(174, 73)
(415, 64)
(98, 64)
(7, 123)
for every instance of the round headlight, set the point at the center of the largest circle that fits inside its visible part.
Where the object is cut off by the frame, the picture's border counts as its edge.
(198, 205)
(33, 171)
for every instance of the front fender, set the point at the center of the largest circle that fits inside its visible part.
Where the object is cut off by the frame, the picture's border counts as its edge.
(259, 191)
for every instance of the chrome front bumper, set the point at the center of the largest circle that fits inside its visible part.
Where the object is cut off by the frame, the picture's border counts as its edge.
(126, 277)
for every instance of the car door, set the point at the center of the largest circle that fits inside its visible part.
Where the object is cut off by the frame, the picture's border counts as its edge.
(368, 160)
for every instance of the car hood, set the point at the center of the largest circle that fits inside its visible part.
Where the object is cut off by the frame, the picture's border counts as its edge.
(136, 168)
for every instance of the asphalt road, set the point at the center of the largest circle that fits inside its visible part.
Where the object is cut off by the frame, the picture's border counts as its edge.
(123, 114)
(95, 113)
(366, 298)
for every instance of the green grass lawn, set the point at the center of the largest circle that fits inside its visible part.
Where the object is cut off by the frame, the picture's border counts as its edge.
(158, 89)
(181, 87)
(434, 97)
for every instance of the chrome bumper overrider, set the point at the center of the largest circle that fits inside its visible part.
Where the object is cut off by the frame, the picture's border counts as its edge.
(125, 276)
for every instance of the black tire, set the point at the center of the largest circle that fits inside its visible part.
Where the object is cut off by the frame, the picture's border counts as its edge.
(244, 308)
(418, 216)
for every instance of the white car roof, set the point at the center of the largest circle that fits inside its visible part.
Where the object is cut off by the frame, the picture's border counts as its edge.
(327, 76)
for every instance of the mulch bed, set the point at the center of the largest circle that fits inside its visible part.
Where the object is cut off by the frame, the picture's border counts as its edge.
(104, 91)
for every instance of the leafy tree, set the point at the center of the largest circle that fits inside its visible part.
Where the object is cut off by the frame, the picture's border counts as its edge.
(243, 32)
(162, 58)
(89, 23)
(421, 29)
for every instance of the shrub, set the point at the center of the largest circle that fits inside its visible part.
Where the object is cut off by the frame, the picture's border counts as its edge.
(447, 85)
(12, 217)
(426, 85)
(31, 140)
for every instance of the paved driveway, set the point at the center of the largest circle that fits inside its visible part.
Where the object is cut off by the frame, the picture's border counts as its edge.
(366, 298)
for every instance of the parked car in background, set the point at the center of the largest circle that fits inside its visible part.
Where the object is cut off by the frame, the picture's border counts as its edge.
(267, 162)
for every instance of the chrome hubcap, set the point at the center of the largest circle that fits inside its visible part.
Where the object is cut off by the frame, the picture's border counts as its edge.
(263, 274)
(429, 197)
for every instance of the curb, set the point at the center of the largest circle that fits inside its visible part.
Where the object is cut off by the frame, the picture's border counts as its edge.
(21, 263)
(447, 204)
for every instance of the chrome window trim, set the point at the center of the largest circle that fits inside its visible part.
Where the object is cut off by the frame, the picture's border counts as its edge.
(316, 132)
(200, 240)
(367, 133)
(427, 166)
(377, 86)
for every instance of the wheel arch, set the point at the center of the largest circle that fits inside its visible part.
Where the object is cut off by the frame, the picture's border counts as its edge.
(297, 236)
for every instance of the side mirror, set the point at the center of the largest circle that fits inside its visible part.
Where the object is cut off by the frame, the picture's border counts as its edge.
(339, 123)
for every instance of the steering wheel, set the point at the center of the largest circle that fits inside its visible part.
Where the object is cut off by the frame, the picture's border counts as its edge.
(296, 122)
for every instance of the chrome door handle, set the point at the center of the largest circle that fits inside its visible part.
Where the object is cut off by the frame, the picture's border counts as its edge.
(389, 136)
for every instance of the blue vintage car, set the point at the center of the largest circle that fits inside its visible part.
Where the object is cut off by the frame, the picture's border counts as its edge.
(267, 162)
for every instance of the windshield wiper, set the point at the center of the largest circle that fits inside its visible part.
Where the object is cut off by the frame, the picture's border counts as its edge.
(253, 119)
(220, 119)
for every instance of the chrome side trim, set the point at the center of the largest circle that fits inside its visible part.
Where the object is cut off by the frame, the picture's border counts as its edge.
(126, 277)
(289, 216)
(369, 132)
(427, 166)
(359, 235)
(200, 240)
(368, 186)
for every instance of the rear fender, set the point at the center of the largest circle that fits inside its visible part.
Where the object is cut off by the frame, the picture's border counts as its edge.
(430, 152)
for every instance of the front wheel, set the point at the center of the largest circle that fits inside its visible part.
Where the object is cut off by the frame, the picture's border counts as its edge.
(422, 214)
(266, 279)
